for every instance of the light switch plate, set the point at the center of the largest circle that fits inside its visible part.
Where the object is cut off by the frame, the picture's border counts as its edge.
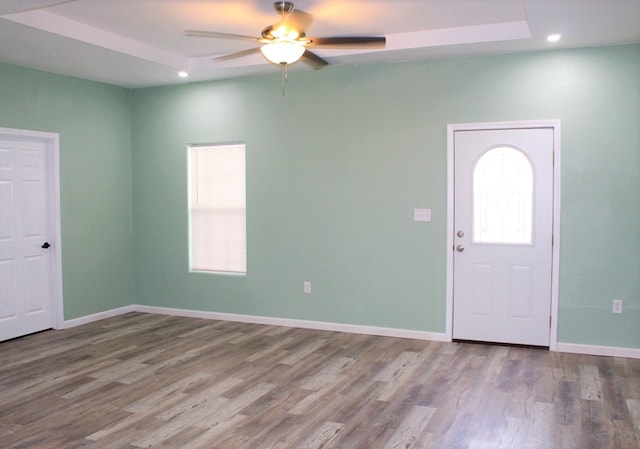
(421, 214)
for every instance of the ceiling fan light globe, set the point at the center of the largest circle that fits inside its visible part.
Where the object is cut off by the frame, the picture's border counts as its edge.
(283, 52)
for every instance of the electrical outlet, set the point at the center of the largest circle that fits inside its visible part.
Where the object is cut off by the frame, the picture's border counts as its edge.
(617, 306)
(307, 286)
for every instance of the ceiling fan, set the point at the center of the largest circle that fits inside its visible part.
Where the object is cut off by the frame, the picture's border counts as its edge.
(286, 42)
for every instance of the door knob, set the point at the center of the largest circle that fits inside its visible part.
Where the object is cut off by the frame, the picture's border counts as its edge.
(460, 234)
(459, 248)
(45, 245)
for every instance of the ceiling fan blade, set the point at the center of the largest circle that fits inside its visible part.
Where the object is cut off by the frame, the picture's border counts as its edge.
(313, 60)
(300, 19)
(238, 54)
(216, 35)
(355, 42)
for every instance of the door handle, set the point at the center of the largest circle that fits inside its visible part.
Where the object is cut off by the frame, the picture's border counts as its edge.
(459, 248)
(45, 245)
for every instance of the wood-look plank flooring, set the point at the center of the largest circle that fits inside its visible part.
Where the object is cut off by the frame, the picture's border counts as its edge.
(141, 380)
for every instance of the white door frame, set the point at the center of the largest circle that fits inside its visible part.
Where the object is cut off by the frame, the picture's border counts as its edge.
(52, 143)
(451, 128)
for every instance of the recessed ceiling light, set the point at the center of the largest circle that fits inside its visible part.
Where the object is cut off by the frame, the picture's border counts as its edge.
(554, 37)
(183, 74)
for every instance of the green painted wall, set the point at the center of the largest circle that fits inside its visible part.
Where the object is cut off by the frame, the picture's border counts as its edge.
(93, 121)
(335, 168)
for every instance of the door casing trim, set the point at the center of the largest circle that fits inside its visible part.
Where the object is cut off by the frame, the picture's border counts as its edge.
(555, 263)
(52, 143)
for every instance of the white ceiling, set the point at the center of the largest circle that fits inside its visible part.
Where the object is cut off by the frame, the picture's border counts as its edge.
(139, 43)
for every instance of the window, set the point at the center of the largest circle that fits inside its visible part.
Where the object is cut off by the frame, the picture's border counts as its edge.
(217, 211)
(503, 197)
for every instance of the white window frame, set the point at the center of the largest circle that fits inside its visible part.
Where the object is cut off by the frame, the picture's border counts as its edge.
(217, 208)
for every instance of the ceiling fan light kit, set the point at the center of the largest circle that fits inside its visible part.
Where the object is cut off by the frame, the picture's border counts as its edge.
(283, 51)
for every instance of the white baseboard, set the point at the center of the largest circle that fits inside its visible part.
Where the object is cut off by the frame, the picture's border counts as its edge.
(609, 351)
(98, 316)
(303, 324)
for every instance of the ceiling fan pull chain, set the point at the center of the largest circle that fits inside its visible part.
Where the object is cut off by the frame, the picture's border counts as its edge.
(284, 76)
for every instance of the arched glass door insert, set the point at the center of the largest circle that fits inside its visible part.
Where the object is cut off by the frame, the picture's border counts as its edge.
(503, 197)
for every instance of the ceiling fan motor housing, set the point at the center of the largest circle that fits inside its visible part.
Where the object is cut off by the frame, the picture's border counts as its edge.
(267, 32)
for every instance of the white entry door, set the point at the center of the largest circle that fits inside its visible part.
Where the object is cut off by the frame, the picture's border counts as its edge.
(503, 226)
(26, 279)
